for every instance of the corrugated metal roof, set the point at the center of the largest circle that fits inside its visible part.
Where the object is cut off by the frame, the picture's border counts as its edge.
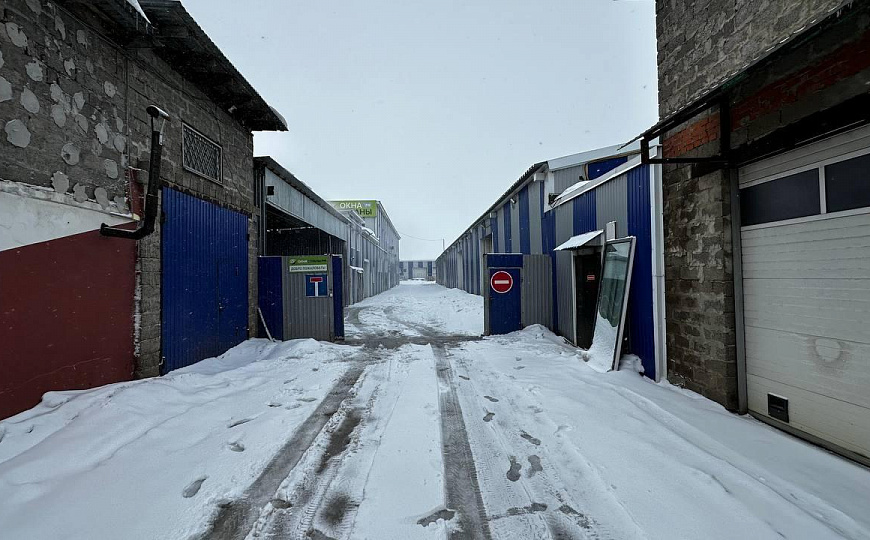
(185, 46)
(269, 163)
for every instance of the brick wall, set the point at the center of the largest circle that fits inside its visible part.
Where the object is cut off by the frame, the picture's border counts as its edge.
(89, 124)
(702, 41)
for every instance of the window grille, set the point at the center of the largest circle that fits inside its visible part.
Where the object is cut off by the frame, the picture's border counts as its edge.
(200, 155)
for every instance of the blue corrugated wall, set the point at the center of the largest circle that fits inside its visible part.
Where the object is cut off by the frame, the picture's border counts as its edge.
(204, 250)
(525, 226)
(270, 297)
(640, 307)
(600, 168)
(584, 213)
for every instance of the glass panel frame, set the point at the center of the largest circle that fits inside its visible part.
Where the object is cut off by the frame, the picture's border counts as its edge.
(613, 293)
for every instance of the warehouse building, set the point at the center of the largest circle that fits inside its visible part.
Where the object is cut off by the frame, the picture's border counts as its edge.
(75, 81)
(418, 270)
(561, 208)
(376, 255)
(767, 210)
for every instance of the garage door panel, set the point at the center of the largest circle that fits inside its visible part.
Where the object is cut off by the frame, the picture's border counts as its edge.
(844, 248)
(842, 423)
(814, 270)
(808, 289)
(827, 228)
(855, 141)
(834, 368)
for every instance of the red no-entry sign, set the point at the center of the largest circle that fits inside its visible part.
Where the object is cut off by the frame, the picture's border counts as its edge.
(501, 282)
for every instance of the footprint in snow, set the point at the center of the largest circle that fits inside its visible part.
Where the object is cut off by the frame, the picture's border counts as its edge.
(519, 367)
(535, 465)
(488, 416)
(513, 473)
(234, 423)
(494, 400)
(274, 404)
(533, 440)
(306, 399)
(193, 487)
(236, 446)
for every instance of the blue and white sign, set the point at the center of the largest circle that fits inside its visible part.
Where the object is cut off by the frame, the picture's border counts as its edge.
(315, 285)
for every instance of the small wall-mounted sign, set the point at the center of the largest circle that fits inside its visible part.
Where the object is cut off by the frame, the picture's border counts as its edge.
(308, 263)
(315, 285)
(590, 277)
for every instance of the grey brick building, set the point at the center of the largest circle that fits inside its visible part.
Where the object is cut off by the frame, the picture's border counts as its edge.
(763, 108)
(75, 79)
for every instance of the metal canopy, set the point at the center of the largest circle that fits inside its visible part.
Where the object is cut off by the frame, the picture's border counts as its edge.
(576, 242)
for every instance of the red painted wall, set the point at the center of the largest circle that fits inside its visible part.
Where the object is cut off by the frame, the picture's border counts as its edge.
(66, 317)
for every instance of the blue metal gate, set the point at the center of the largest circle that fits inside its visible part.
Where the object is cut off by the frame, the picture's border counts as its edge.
(338, 295)
(205, 279)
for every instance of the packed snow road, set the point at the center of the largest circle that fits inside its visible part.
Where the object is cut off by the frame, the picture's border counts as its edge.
(415, 428)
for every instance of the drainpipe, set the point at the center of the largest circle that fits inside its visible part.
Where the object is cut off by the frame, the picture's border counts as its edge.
(152, 195)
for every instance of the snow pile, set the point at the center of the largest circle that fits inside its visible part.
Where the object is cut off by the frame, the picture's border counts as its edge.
(600, 354)
(645, 460)
(154, 458)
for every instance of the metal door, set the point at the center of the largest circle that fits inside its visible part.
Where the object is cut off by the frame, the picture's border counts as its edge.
(204, 308)
(505, 309)
(338, 295)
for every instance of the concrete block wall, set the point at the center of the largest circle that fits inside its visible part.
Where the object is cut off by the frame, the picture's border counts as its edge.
(831, 67)
(74, 103)
(702, 41)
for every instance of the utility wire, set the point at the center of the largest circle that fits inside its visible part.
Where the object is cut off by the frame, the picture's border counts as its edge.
(423, 239)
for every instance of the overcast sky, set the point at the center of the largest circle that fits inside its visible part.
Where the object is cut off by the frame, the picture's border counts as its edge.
(435, 108)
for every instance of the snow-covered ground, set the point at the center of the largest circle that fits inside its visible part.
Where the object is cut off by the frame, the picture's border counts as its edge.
(419, 429)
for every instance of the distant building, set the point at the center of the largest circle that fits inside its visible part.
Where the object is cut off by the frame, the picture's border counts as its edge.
(375, 244)
(426, 269)
(764, 125)
(81, 309)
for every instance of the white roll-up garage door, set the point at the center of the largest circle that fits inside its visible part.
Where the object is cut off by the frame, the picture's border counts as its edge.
(805, 234)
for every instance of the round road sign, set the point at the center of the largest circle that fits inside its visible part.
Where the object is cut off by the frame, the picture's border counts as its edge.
(501, 282)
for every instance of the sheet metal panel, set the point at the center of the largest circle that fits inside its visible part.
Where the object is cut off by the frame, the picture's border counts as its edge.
(205, 279)
(537, 290)
(507, 221)
(611, 203)
(565, 293)
(548, 230)
(497, 241)
(297, 204)
(564, 223)
(584, 213)
(270, 297)
(536, 212)
(565, 178)
(524, 221)
(640, 301)
(515, 225)
(600, 168)
(306, 317)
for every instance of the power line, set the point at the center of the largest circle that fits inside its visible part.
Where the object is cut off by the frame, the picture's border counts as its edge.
(422, 239)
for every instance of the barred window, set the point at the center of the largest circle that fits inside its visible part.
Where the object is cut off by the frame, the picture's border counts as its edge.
(200, 155)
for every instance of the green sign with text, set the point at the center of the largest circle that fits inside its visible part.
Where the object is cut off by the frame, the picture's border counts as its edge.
(308, 263)
(363, 208)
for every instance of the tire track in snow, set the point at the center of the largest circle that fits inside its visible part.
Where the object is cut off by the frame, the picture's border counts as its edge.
(235, 520)
(460, 475)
